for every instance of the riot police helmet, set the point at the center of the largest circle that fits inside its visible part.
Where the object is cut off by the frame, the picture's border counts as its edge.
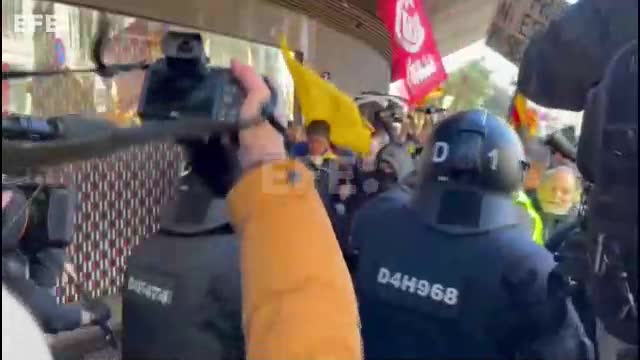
(475, 149)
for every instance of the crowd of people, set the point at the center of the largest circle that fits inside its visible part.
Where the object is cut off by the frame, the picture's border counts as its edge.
(550, 193)
(430, 246)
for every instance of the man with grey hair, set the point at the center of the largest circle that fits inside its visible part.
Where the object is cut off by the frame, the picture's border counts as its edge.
(555, 197)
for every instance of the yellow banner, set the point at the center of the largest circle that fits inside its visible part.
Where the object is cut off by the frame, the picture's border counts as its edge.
(321, 100)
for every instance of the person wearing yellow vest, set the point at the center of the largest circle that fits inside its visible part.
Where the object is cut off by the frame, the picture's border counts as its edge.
(538, 157)
(555, 199)
(525, 202)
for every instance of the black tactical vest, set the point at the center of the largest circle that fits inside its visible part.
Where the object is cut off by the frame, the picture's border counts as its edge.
(444, 292)
(182, 296)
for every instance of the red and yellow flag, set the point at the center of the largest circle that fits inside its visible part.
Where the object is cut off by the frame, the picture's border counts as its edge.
(523, 118)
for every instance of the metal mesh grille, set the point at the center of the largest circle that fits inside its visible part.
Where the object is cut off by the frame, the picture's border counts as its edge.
(120, 196)
(120, 199)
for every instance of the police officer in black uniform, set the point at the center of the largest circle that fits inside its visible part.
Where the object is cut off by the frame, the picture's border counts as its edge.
(450, 271)
(182, 296)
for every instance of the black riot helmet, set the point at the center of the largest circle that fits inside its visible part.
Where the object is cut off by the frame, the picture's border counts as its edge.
(475, 149)
(471, 166)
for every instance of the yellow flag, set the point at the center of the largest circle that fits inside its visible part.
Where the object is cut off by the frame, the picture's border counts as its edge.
(321, 100)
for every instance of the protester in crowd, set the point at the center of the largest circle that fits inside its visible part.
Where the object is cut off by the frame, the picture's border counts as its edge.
(441, 265)
(533, 219)
(322, 161)
(556, 197)
(538, 157)
(555, 201)
(318, 133)
(393, 166)
(332, 168)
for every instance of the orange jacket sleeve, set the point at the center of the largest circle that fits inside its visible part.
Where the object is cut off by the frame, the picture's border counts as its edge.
(298, 299)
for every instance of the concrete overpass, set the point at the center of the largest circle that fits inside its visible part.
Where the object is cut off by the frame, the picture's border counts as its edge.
(456, 23)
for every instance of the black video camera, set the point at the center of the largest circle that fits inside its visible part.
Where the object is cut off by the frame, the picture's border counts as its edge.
(182, 85)
(43, 218)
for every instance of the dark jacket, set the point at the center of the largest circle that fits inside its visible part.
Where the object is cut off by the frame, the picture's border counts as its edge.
(325, 176)
(428, 293)
(328, 177)
(51, 316)
(182, 297)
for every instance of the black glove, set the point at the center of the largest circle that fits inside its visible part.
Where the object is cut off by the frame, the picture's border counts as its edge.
(101, 313)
